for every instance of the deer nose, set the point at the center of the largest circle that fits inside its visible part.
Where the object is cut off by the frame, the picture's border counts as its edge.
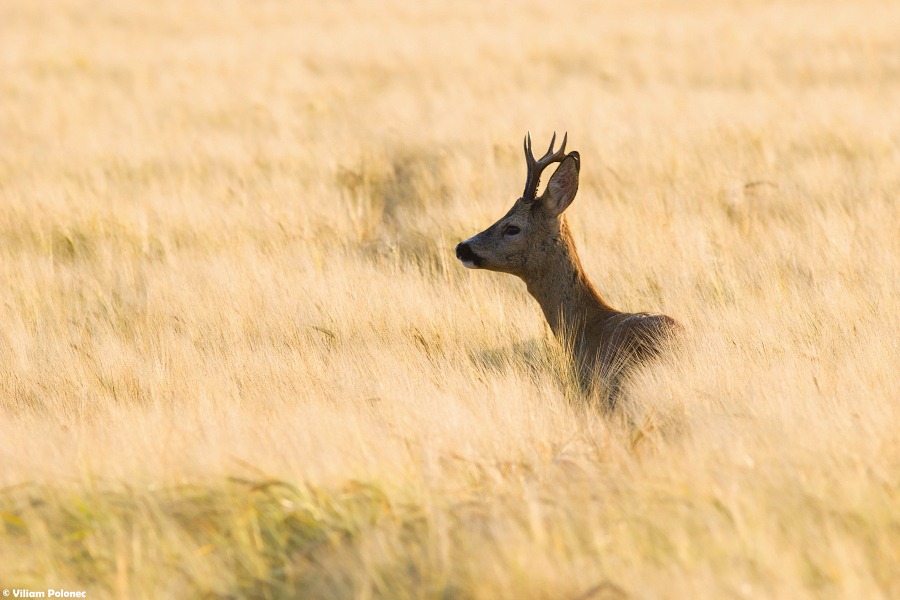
(465, 254)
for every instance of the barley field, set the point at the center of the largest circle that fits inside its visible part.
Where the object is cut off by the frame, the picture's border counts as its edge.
(238, 358)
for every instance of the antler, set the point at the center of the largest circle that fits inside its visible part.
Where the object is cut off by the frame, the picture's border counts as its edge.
(536, 167)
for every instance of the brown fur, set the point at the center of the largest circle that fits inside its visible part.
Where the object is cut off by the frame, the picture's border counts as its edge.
(604, 342)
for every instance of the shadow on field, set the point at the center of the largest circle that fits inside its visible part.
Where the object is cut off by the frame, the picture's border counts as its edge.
(391, 199)
(533, 355)
(537, 357)
(386, 192)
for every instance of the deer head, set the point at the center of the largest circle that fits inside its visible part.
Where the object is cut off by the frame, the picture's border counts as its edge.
(519, 242)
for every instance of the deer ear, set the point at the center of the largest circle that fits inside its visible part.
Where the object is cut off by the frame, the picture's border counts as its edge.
(563, 185)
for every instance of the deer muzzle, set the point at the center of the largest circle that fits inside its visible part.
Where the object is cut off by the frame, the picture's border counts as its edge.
(469, 259)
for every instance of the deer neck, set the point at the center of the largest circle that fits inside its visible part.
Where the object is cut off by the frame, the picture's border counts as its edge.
(569, 300)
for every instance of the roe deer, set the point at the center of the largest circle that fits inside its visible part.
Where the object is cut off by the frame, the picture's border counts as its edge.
(533, 241)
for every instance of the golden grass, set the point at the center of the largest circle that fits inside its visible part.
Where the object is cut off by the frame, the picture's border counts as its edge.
(238, 357)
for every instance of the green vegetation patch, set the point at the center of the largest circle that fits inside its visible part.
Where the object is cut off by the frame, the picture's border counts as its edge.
(248, 539)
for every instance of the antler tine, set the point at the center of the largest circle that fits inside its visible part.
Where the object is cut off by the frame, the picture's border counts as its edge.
(559, 153)
(562, 147)
(550, 149)
(529, 160)
(536, 167)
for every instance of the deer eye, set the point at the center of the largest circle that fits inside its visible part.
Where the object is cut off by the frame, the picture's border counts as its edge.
(511, 230)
